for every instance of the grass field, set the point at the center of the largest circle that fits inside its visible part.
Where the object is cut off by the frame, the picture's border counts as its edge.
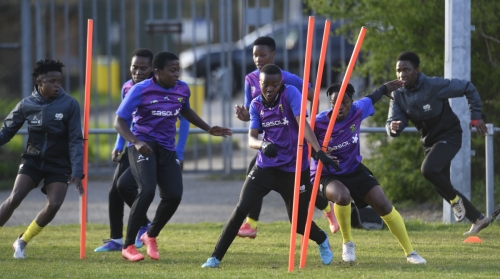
(184, 247)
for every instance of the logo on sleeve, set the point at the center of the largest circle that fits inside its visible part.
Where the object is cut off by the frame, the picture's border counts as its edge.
(59, 116)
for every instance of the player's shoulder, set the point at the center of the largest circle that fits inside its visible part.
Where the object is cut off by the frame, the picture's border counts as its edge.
(253, 74)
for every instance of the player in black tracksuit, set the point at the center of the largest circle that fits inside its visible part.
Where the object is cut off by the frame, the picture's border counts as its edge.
(54, 151)
(424, 101)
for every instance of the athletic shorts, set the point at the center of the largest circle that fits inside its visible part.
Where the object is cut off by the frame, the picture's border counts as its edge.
(48, 177)
(359, 183)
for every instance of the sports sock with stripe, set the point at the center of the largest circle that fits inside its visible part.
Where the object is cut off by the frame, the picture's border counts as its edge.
(396, 225)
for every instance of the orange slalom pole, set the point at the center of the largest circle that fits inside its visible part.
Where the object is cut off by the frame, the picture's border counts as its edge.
(310, 212)
(336, 108)
(300, 141)
(86, 112)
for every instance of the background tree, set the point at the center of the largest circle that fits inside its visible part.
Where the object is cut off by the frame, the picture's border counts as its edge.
(399, 25)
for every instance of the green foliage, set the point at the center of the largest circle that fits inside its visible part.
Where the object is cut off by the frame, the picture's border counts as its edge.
(185, 247)
(398, 25)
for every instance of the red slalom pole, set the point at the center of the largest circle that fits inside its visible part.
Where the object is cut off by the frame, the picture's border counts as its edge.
(336, 108)
(300, 141)
(86, 112)
(310, 213)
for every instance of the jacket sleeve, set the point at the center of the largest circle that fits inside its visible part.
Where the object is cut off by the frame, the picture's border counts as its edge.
(75, 138)
(454, 88)
(12, 123)
(396, 113)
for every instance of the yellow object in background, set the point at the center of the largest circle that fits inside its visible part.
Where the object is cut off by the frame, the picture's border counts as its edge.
(197, 88)
(106, 76)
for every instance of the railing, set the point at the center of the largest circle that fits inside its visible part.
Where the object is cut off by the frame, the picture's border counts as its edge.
(488, 150)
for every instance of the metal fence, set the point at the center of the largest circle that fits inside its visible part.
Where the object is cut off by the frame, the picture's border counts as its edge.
(214, 42)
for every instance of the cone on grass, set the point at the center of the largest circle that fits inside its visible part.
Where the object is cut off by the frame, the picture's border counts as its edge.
(473, 239)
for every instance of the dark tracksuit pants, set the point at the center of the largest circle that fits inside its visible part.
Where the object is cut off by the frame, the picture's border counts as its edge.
(258, 184)
(254, 213)
(162, 168)
(123, 190)
(436, 169)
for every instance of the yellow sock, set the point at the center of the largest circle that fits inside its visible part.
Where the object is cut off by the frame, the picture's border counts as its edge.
(455, 200)
(252, 223)
(32, 231)
(327, 208)
(343, 214)
(397, 227)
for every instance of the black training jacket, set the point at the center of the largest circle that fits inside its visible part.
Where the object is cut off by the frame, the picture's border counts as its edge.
(426, 105)
(55, 141)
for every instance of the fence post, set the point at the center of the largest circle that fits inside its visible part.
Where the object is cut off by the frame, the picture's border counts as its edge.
(490, 203)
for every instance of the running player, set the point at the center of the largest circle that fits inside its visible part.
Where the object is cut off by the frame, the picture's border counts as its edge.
(355, 181)
(276, 112)
(124, 188)
(54, 151)
(424, 101)
(157, 102)
(264, 50)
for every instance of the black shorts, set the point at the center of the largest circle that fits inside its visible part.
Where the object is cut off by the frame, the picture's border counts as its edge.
(48, 177)
(359, 183)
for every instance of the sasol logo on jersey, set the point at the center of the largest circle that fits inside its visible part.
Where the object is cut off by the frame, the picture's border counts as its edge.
(338, 146)
(165, 112)
(284, 121)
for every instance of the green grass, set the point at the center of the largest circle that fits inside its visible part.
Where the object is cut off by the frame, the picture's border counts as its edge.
(184, 247)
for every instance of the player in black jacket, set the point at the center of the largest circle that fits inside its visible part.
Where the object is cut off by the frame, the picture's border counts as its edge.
(54, 151)
(424, 101)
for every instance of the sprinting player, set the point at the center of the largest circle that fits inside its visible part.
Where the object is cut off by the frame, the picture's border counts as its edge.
(156, 102)
(54, 152)
(276, 112)
(424, 101)
(264, 50)
(355, 180)
(124, 188)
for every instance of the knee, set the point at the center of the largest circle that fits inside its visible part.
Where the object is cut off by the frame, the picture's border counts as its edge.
(54, 206)
(339, 196)
(428, 171)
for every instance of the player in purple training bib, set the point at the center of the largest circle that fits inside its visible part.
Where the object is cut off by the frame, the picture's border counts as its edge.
(355, 181)
(264, 49)
(276, 112)
(157, 102)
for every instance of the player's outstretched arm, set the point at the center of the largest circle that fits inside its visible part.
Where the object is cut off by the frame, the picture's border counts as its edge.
(193, 117)
(320, 154)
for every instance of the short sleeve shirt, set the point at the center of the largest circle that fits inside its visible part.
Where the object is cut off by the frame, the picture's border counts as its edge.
(156, 110)
(279, 126)
(344, 140)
